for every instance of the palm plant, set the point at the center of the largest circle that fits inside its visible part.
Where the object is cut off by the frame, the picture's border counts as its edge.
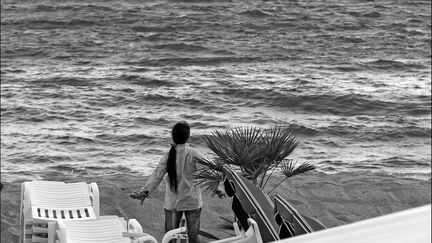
(254, 151)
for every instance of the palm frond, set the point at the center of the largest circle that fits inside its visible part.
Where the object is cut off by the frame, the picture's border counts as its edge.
(289, 168)
(209, 180)
(212, 165)
(209, 175)
(280, 143)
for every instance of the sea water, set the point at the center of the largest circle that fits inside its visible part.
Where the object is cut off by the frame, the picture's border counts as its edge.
(94, 87)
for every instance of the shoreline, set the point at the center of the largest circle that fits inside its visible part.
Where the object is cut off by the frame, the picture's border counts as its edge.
(334, 199)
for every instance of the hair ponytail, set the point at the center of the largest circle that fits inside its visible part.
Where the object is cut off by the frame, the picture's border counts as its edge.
(180, 135)
(171, 168)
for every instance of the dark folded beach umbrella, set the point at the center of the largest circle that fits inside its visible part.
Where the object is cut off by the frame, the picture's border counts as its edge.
(253, 202)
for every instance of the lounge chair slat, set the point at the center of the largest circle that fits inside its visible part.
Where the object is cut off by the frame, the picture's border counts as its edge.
(39, 229)
(63, 214)
(81, 213)
(50, 213)
(39, 239)
(74, 214)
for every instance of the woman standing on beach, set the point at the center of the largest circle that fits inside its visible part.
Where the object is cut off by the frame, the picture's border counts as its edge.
(181, 196)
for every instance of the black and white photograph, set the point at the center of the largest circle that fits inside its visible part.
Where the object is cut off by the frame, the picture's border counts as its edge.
(223, 121)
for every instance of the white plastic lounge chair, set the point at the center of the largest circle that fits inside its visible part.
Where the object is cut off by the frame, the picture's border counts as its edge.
(252, 235)
(46, 201)
(106, 229)
(408, 226)
(240, 234)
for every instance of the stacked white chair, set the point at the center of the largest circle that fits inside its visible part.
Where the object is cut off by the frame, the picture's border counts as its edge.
(252, 235)
(58, 212)
(47, 201)
(106, 229)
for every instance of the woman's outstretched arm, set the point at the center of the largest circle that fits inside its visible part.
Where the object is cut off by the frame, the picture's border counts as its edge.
(156, 177)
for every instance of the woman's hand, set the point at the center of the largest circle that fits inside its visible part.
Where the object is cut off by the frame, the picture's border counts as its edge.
(139, 196)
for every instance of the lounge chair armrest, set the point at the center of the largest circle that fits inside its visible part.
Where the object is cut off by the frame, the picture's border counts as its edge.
(134, 226)
(139, 237)
(237, 230)
(179, 233)
(94, 197)
(146, 238)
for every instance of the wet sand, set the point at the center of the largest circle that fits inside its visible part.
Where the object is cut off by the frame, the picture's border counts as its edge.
(334, 200)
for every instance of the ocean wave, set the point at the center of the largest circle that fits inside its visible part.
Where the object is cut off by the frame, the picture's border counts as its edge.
(27, 114)
(363, 14)
(11, 70)
(374, 133)
(355, 40)
(124, 138)
(112, 169)
(78, 169)
(396, 161)
(181, 47)
(149, 82)
(342, 104)
(67, 168)
(60, 81)
(200, 1)
(65, 140)
(155, 28)
(256, 13)
(303, 130)
(34, 159)
(16, 52)
(148, 121)
(187, 61)
(392, 64)
(52, 24)
(173, 101)
(71, 6)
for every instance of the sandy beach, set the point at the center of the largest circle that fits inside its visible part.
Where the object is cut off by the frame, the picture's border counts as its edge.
(335, 200)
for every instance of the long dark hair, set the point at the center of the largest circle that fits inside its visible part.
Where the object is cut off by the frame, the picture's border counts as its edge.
(180, 135)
